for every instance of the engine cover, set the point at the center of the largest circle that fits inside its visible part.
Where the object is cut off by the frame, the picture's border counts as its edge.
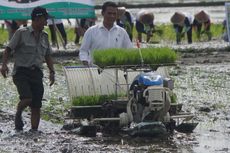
(149, 79)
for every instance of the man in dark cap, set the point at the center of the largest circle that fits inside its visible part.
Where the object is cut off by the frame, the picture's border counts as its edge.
(30, 47)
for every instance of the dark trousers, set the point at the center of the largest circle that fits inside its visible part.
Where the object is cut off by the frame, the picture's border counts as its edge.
(29, 85)
(205, 31)
(199, 27)
(77, 38)
(179, 34)
(61, 29)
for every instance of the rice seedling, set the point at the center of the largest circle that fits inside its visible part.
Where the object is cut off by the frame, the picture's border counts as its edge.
(100, 99)
(118, 57)
(163, 32)
(173, 98)
(92, 100)
(4, 37)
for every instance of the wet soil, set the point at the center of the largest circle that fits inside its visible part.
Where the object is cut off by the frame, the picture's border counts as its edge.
(202, 81)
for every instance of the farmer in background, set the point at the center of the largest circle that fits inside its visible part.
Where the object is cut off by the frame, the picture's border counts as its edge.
(225, 31)
(81, 26)
(57, 24)
(104, 35)
(30, 47)
(202, 24)
(182, 23)
(144, 24)
(13, 25)
(125, 20)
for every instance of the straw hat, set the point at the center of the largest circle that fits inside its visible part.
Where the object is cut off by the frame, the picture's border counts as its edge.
(178, 18)
(147, 18)
(120, 12)
(202, 16)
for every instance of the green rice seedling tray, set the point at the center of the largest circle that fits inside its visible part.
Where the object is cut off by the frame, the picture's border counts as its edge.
(120, 56)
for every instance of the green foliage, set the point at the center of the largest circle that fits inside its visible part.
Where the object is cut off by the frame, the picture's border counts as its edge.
(69, 32)
(120, 56)
(173, 98)
(91, 100)
(163, 32)
(169, 34)
(4, 36)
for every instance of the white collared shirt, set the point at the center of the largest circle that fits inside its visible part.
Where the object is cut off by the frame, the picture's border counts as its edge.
(99, 37)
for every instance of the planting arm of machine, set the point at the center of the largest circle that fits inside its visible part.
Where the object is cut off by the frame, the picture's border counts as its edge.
(146, 112)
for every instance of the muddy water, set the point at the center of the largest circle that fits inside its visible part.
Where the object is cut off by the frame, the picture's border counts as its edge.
(197, 86)
(203, 86)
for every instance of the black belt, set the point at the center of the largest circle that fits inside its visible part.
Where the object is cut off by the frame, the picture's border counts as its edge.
(33, 67)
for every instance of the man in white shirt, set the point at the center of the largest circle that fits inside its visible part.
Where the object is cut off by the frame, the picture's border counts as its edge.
(104, 35)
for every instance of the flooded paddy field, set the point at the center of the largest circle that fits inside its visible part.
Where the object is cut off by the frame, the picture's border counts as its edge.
(204, 90)
(201, 85)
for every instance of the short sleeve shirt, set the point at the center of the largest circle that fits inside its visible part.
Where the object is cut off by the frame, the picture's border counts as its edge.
(27, 51)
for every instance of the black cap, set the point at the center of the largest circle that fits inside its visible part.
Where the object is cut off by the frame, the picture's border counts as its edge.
(38, 12)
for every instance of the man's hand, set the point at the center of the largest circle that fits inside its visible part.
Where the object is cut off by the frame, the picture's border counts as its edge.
(4, 70)
(52, 77)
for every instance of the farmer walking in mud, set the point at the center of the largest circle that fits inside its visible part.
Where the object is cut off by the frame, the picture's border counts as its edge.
(29, 46)
(104, 35)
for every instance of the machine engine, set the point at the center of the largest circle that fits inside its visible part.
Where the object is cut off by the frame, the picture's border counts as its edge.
(150, 99)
